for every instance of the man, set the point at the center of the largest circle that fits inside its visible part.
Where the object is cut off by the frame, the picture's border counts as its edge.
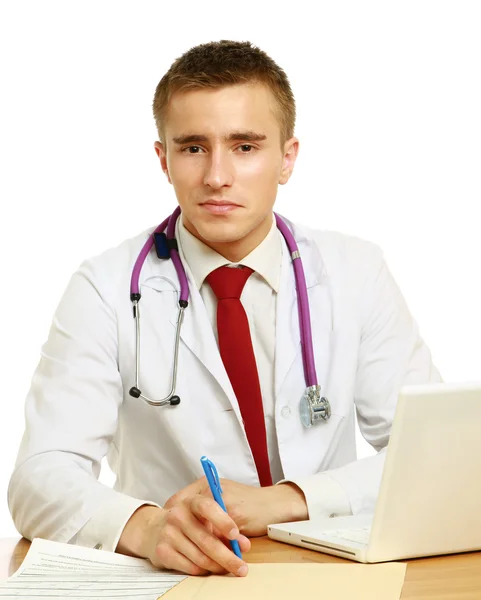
(225, 115)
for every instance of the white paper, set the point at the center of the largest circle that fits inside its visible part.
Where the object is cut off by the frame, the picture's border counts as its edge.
(52, 570)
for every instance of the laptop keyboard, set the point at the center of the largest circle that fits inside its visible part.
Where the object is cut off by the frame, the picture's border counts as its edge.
(360, 536)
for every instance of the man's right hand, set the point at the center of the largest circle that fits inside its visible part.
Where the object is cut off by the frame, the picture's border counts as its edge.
(191, 537)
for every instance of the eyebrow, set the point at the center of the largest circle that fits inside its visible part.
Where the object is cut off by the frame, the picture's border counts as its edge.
(248, 136)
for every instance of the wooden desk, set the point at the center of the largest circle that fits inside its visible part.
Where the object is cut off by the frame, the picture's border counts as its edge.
(454, 577)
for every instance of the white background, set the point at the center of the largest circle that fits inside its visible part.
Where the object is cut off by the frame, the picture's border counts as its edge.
(388, 98)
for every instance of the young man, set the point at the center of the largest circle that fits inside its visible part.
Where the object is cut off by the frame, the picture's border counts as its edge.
(225, 115)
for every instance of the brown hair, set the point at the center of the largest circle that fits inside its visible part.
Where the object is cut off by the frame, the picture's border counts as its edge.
(223, 63)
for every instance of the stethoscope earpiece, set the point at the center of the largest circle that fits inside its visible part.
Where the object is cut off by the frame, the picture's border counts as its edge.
(136, 393)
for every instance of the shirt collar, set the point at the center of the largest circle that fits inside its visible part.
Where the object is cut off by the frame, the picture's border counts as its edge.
(265, 259)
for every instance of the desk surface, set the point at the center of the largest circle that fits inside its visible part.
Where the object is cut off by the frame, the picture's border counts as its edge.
(453, 577)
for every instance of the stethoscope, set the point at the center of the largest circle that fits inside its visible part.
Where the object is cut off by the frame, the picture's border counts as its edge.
(313, 408)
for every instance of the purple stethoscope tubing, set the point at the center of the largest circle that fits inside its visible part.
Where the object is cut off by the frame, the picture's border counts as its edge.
(302, 302)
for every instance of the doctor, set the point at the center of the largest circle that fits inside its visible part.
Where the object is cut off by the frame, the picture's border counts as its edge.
(225, 115)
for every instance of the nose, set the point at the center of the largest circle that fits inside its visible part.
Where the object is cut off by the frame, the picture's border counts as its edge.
(219, 170)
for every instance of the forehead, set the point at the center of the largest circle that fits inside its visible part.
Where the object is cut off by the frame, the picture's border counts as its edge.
(218, 111)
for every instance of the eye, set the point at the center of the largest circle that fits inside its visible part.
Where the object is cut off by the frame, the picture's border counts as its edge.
(198, 149)
(190, 148)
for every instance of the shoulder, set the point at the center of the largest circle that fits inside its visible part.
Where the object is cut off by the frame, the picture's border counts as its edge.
(351, 266)
(339, 252)
(112, 268)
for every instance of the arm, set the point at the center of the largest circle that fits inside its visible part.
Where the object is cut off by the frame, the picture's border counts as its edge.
(391, 354)
(71, 416)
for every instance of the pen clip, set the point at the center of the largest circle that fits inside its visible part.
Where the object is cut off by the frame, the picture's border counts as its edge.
(213, 470)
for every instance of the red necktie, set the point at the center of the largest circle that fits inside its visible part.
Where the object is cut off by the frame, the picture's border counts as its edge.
(237, 354)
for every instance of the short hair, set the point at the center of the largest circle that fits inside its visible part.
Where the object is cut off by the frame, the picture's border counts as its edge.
(224, 63)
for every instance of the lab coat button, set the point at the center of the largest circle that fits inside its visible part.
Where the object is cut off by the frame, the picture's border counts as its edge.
(286, 412)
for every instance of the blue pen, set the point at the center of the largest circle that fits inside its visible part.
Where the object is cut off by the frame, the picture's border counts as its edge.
(214, 484)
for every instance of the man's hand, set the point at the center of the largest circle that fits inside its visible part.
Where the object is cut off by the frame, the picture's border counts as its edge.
(251, 508)
(191, 533)
(190, 536)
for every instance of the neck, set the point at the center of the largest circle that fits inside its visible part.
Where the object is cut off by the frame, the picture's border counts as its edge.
(236, 250)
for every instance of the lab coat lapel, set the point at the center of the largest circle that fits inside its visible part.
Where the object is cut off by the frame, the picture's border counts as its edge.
(197, 334)
(288, 344)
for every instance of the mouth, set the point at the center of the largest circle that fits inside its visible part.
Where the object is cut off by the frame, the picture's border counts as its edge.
(219, 206)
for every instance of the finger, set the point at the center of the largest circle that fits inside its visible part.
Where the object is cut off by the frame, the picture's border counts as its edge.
(208, 525)
(169, 558)
(244, 542)
(209, 544)
(174, 543)
(194, 554)
(181, 532)
(207, 508)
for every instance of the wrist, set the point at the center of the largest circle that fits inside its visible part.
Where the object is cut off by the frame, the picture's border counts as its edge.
(137, 532)
(291, 503)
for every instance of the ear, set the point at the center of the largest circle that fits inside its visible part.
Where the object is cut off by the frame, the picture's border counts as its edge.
(291, 149)
(161, 152)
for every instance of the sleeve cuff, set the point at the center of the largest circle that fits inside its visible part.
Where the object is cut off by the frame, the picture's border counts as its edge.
(103, 530)
(325, 497)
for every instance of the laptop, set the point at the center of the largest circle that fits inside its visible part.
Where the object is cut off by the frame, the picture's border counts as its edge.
(429, 500)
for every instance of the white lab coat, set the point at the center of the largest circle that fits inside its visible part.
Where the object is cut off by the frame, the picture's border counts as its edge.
(366, 345)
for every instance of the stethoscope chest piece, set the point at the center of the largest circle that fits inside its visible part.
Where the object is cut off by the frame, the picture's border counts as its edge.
(313, 407)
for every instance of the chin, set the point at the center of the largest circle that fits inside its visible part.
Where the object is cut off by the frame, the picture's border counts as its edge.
(219, 229)
(220, 233)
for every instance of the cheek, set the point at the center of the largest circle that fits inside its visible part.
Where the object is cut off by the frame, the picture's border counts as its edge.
(184, 171)
(263, 173)
(185, 181)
